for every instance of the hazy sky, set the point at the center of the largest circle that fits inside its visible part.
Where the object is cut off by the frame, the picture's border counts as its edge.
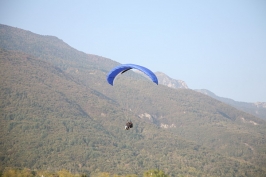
(214, 45)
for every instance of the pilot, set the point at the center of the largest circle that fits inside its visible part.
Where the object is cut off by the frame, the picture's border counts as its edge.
(129, 125)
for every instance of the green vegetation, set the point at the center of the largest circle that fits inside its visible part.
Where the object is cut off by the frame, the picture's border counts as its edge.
(13, 172)
(58, 112)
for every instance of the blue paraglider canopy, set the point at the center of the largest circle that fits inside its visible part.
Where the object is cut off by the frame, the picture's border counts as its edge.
(125, 67)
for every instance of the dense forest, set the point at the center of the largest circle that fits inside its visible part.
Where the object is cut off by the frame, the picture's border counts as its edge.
(58, 112)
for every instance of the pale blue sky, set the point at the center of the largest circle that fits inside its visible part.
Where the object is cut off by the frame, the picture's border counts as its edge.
(214, 45)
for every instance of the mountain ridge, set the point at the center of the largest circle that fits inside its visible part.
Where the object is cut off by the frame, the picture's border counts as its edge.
(71, 118)
(169, 82)
(257, 109)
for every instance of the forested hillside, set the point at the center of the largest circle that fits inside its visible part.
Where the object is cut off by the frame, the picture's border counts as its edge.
(257, 109)
(58, 112)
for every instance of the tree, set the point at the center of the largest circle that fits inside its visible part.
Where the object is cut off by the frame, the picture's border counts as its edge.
(155, 173)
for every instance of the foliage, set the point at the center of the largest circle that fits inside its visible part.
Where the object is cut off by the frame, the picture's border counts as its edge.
(13, 172)
(155, 173)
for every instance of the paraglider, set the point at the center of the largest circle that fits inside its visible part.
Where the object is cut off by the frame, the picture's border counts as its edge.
(124, 68)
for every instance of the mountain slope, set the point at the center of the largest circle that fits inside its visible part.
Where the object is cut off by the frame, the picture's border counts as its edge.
(216, 125)
(52, 122)
(60, 113)
(257, 109)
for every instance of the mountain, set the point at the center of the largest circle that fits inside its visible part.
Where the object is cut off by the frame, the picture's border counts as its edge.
(58, 111)
(257, 109)
(50, 121)
(169, 82)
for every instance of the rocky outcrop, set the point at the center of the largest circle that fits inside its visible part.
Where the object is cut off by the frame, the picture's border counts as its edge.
(169, 82)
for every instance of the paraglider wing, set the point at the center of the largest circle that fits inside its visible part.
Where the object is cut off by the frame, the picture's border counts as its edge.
(125, 67)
